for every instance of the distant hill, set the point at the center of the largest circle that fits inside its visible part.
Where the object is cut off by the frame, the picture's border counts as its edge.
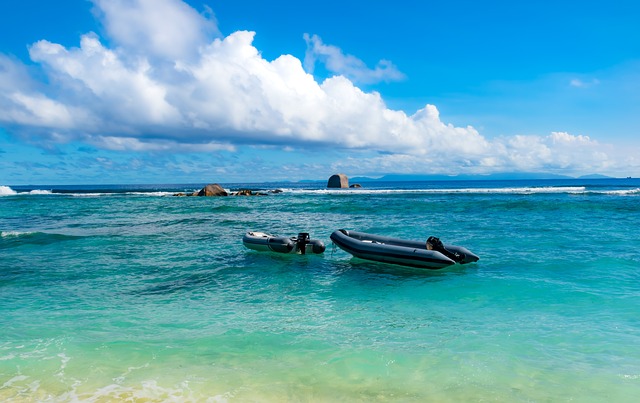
(594, 176)
(500, 176)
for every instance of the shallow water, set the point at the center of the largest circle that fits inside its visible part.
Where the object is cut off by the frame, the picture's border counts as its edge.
(128, 293)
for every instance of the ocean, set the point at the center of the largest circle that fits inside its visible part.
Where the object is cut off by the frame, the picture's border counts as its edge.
(127, 293)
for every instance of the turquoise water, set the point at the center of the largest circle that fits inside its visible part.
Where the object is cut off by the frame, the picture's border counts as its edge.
(127, 293)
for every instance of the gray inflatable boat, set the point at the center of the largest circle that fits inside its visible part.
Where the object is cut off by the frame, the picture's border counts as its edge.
(400, 251)
(301, 244)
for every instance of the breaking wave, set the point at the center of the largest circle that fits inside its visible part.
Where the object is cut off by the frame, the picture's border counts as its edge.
(506, 190)
(522, 190)
(12, 239)
(7, 191)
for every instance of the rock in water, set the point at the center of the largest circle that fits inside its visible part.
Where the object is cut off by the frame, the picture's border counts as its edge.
(213, 190)
(338, 181)
(245, 192)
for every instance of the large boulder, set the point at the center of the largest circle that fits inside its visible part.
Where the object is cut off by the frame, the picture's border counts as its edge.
(338, 181)
(213, 190)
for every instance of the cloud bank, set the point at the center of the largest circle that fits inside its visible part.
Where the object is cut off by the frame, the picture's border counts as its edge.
(177, 84)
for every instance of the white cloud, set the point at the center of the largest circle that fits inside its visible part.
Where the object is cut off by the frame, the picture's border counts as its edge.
(39, 110)
(11, 73)
(108, 87)
(556, 152)
(579, 83)
(349, 66)
(134, 144)
(171, 85)
(167, 29)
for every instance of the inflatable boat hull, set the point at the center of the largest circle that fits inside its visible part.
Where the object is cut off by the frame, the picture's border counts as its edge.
(264, 242)
(397, 251)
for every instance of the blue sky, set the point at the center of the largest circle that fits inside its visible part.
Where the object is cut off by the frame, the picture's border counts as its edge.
(166, 91)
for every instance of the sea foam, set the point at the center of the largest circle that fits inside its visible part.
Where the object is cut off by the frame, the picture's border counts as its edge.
(13, 234)
(7, 191)
(40, 192)
(506, 190)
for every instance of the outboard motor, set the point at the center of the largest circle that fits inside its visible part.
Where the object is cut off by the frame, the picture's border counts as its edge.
(303, 240)
(437, 245)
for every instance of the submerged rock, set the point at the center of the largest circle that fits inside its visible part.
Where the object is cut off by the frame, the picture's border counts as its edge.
(248, 192)
(216, 190)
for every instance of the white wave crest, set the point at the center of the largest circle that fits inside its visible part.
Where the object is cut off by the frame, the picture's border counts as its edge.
(13, 234)
(40, 192)
(513, 190)
(626, 192)
(7, 191)
(88, 194)
(116, 194)
(158, 193)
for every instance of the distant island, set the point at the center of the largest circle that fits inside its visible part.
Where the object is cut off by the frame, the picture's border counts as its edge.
(466, 177)
(595, 176)
(497, 176)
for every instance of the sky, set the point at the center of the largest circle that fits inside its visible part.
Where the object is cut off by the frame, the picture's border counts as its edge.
(171, 91)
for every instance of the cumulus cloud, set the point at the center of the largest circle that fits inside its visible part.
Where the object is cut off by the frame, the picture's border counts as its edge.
(98, 79)
(175, 84)
(348, 65)
(168, 29)
(558, 152)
